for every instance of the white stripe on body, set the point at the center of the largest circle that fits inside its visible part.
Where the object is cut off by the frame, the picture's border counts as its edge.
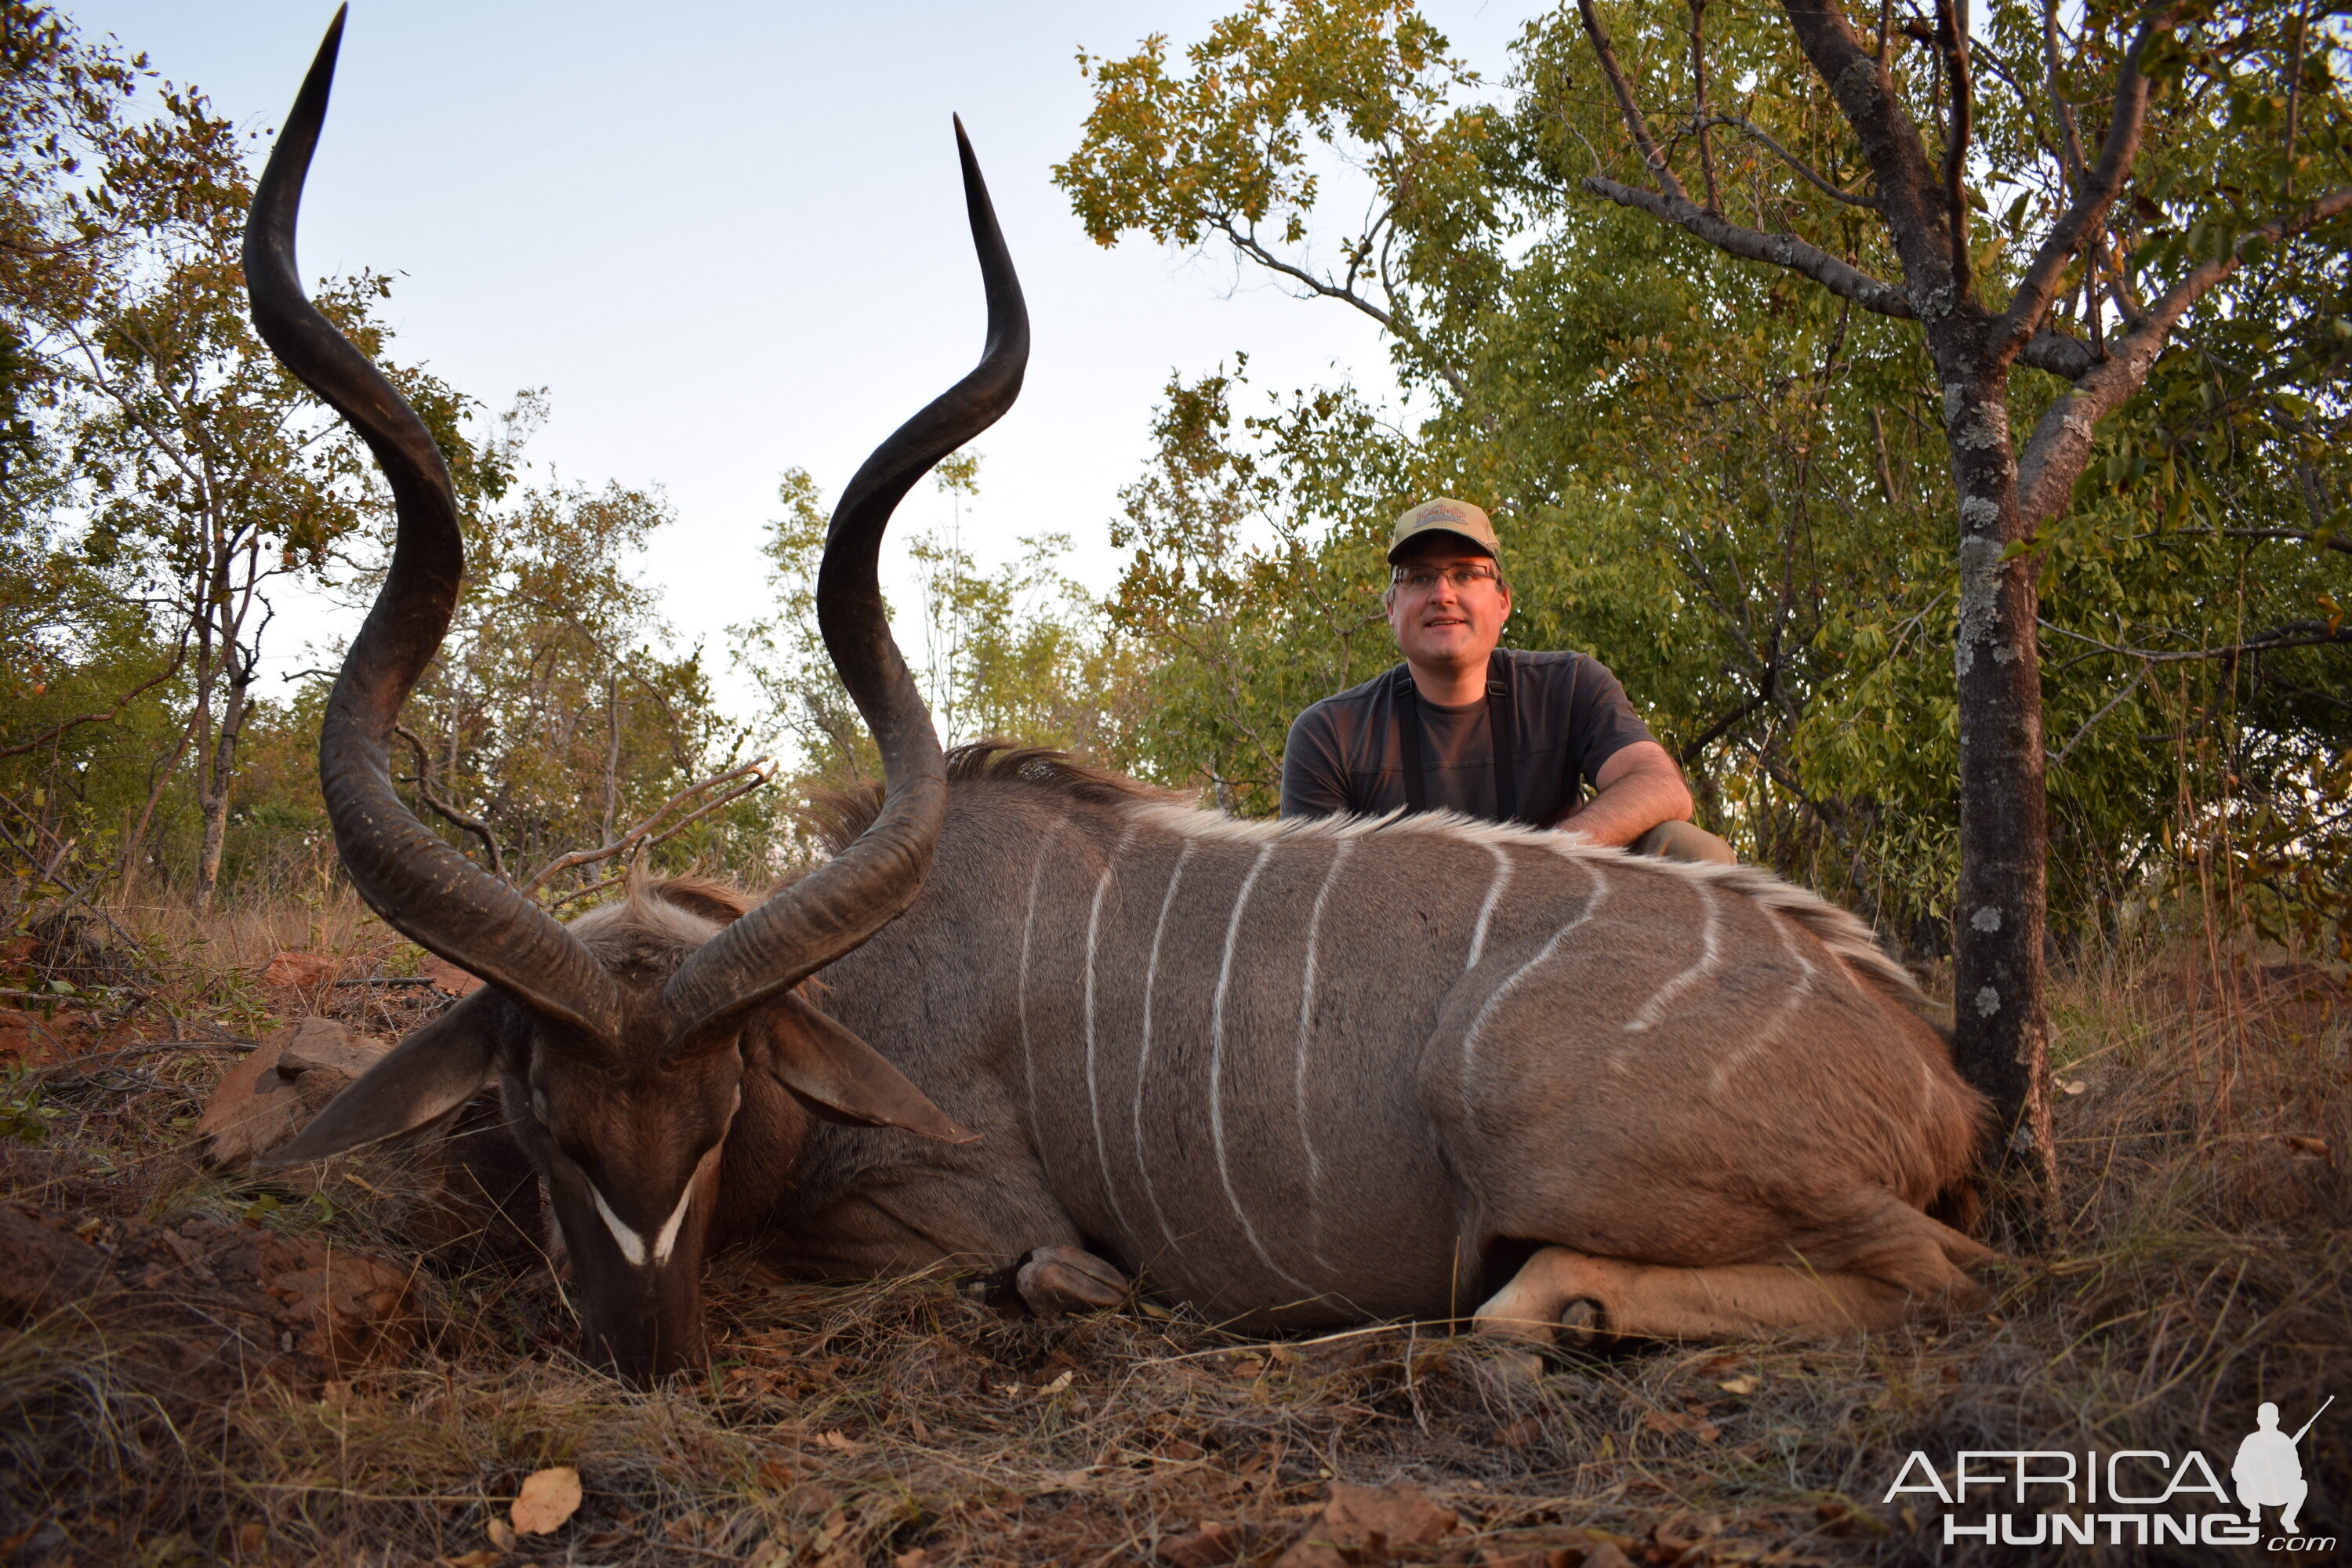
(1759, 1038)
(1486, 910)
(1710, 951)
(1143, 1052)
(1305, 1037)
(1094, 1099)
(1021, 1007)
(1510, 982)
(1216, 1070)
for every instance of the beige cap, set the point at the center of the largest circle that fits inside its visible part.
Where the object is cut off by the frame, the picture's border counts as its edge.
(1444, 516)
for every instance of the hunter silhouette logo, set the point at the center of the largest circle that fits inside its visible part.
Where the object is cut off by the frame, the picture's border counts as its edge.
(2269, 1469)
(2126, 1497)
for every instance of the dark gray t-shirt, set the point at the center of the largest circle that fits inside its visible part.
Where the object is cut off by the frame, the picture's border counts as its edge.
(1345, 755)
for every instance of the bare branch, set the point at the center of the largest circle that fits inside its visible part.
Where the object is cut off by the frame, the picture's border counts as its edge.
(651, 832)
(2294, 633)
(2105, 707)
(1952, 37)
(1905, 183)
(473, 825)
(2330, 541)
(2070, 136)
(2059, 353)
(2061, 444)
(2094, 194)
(1839, 278)
(1700, 120)
(1625, 103)
(1821, 181)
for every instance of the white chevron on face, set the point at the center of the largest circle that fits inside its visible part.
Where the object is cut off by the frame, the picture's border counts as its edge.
(632, 1245)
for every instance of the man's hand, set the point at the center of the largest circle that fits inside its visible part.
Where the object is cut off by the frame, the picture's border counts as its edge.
(1640, 787)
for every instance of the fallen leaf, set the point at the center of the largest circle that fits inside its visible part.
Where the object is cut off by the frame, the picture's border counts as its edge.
(1671, 1421)
(1740, 1385)
(1059, 1384)
(1358, 1518)
(548, 1498)
(841, 1441)
(1519, 1433)
(2309, 1148)
(1212, 1545)
(915, 1559)
(501, 1535)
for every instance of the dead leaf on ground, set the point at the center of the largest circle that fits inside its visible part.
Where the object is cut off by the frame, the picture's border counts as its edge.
(1740, 1385)
(1365, 1521)
(1215, 1544)
(548, 1498)
(1520, 1433)
(1673, 1421)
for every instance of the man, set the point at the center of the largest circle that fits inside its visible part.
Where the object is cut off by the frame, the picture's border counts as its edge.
(1502, 734)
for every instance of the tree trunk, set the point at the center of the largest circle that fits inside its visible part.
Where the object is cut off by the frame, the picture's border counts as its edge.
(213, 785)
(2001, 1035)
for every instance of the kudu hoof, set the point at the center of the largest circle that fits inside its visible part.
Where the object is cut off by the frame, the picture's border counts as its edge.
(1579, 1324)
(1056, 1280)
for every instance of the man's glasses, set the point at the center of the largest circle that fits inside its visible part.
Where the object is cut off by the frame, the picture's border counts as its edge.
(1422, 579)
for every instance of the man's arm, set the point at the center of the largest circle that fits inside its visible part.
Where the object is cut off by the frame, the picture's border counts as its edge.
(1636, 789)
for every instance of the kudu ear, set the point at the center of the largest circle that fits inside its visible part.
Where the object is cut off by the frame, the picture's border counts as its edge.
(837, 1076)
(427, 1075)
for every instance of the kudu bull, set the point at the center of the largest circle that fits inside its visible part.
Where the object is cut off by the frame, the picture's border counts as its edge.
(1298, 1075)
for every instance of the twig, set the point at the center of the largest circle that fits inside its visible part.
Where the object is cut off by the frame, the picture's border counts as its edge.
(473, 825)
(650, 832)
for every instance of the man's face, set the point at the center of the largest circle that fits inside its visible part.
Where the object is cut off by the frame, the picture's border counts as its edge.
(1446, 605)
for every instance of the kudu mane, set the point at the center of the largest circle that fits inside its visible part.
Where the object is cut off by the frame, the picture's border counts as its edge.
(840, 816)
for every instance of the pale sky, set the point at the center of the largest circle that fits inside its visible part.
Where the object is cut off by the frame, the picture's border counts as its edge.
(729, 239)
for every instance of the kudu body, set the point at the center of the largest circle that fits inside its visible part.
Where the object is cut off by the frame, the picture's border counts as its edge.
(1297, 1075)
(1309, 1074)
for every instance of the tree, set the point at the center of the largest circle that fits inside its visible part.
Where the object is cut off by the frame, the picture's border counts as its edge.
(205, 472)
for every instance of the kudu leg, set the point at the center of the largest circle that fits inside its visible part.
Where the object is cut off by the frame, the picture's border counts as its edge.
(1644, 1301)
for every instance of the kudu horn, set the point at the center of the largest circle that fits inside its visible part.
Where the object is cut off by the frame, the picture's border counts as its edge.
(833, 908)
(421, 886)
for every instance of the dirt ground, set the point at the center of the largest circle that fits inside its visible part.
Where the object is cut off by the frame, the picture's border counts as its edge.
(199, 1367)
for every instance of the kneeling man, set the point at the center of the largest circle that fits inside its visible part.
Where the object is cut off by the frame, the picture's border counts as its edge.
(1497, 733)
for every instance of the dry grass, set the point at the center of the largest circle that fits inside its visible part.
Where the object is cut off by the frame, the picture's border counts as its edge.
(2204, 1267)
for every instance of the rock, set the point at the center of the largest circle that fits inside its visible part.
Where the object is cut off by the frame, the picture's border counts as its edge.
(270, 1095)
(448, 979)
(1365, 1524)
(301, 970)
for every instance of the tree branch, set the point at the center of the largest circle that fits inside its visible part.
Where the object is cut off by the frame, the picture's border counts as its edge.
(1624, 89)
(1819, 180)
(650, 832)
(2061, 444)
(473, 825)
(2070, 136)
(2093, 198)
(1952, 37)
(2294, 633)
(1905, 183)
(1839, 278)
(1698, 102)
